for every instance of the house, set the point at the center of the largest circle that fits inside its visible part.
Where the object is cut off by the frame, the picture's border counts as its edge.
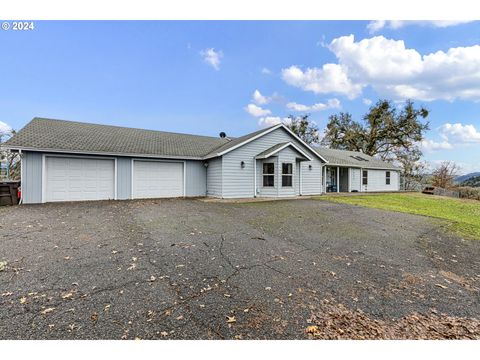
(72, 161)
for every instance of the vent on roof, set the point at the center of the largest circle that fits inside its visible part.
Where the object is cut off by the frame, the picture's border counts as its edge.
(223, 135)
(359, 158)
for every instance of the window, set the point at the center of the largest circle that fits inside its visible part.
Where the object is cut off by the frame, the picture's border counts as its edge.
(365, 177)
(268, 174)
(287, 174)
(387, 178)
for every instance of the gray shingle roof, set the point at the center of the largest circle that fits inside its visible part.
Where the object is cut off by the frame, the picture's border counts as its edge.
(271, 150)
(344, 157)
(236, 141)
(61, 135)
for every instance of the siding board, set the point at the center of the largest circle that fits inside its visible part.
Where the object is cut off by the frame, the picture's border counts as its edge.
(238, 182)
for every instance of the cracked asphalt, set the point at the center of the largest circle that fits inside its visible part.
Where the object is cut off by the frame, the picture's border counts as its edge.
(189, 269)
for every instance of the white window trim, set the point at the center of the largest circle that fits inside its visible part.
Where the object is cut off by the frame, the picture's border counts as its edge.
(291, 175)
(267, 174)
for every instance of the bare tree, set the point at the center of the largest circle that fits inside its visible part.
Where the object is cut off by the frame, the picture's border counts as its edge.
(11, 170)
(444, 174)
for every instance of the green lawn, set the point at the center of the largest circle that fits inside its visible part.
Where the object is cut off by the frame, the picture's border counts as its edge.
(460, 216)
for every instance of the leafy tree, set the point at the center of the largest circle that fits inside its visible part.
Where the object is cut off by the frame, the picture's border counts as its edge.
(385, 131)
(444, 174)
(302, 126)
(388, 133)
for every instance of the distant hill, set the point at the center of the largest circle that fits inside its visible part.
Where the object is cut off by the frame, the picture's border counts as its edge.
(462, 178)
(473, 182)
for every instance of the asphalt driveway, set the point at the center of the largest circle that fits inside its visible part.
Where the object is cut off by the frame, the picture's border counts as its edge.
(188, 269)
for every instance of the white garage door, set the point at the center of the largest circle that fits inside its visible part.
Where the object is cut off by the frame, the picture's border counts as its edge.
(157, 179)
(76, 179)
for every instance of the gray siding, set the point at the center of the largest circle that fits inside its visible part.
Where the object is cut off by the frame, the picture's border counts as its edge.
(214, 177)
(311, 178)
(124, 178)
(196, 179)
(355, 179)
(376, 181)
(238, 182)
(32, 178)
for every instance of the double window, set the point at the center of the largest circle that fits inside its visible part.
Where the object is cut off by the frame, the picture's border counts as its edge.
(268, 174)
(365, 177)
(287, 174)
(387, 177)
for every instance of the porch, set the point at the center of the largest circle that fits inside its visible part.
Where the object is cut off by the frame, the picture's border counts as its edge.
(336, 179)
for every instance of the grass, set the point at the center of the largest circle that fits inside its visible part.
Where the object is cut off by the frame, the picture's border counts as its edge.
(461, 216)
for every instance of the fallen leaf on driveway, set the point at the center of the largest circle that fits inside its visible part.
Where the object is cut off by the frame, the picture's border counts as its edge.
(231, 319)
(67, 296)
(3, 265)
(47, 310)
(23, 300)
(180, 317)
(107, 307)
(152, 278)
(94, 317)
(7, 293)
(441, 286)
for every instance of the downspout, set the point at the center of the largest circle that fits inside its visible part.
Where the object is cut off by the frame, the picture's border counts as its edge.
(21, 175)
(254, 177)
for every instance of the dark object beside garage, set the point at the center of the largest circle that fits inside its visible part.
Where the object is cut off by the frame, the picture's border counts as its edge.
(9, 192)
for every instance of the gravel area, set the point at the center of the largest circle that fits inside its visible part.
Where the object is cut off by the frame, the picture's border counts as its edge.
(190, 269)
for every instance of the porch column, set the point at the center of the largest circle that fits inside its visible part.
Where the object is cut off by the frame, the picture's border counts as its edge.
(325, 179)
(338, 179)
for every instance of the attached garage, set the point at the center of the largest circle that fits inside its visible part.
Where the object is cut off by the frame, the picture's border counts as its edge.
(77, 179)
(157, 179)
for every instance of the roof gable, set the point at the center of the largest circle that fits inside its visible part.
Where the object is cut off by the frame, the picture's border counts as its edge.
(279, 147)
(241, 141)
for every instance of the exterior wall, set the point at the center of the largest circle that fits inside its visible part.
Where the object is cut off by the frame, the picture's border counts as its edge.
(196, 178)
(214, 177)
(376, 181)
(196, 175)
(238, 182)
(124, 178)
(267, 191)
(355, 179)
(32, 178)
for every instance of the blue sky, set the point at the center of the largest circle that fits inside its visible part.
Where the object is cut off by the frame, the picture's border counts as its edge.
(200, 77)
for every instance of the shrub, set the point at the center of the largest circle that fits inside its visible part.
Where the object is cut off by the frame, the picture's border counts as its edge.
(467, 192)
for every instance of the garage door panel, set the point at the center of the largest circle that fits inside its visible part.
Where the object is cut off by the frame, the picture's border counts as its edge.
(73, 179)
(156, 179)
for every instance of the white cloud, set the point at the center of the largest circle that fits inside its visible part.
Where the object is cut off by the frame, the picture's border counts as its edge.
(5, 128)
(259, 98)
(257, 111)
(377, 25)
(459, 133)
(212, 57)
(331, 104)
(429, 145)
(266, 71)
(331, 78)
(272, 120)
(393, 70)
(367, 102)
